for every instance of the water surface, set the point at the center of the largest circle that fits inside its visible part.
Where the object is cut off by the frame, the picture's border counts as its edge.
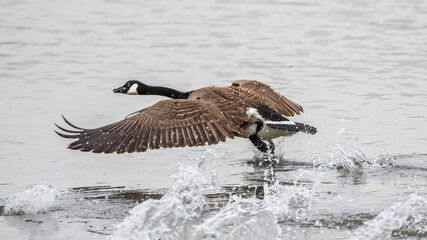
(357, 67)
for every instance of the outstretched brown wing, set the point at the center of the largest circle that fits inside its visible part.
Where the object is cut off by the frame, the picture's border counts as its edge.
(261, 92)
(228, 102)
(167, 124)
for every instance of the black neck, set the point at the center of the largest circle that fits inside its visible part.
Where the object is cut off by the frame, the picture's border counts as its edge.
(163, 91)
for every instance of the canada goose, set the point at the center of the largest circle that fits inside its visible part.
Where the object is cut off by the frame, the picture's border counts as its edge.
(247, 108)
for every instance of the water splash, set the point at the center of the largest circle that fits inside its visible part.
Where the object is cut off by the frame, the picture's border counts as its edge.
(168, 217)
(384, 160)
(254, 218)
(34, 199)
(181, 213)
(237, 222)
(344, 154)
(397, 215)
(287, 202)
(153, 219)
(191, 185)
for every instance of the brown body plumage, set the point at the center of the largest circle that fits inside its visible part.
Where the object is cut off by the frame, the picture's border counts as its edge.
(204, 116)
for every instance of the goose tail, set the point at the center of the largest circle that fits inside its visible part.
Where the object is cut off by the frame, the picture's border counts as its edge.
(297, 127)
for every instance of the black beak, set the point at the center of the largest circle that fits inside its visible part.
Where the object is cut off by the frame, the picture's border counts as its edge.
(119, 90)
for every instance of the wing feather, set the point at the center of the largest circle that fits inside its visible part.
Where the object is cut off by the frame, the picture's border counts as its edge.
(261, 92)
(168, 123)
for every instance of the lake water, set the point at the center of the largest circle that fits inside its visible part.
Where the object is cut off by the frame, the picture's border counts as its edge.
(357, 67)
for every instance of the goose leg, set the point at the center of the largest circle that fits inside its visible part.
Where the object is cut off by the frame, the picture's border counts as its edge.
(271, 147)
(258, 143)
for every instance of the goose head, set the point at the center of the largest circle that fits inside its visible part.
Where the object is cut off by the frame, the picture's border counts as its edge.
(131, 87)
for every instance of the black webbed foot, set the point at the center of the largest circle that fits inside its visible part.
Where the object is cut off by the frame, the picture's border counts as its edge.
(258, 143)
(261, 145)
(271, 147)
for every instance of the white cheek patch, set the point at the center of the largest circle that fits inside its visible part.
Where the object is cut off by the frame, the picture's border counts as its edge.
(132, 90)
